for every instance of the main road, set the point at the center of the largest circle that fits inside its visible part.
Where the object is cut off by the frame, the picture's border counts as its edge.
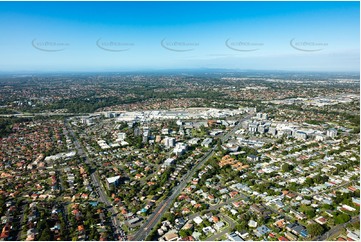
(95, 181)
(155, 217)
(30, 115)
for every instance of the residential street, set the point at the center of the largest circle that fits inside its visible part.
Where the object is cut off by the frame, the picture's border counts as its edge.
(97, 184)
(336, 229)
(230, 227)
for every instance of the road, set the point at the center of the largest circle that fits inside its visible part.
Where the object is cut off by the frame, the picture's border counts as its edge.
(327, 190)
(218, 206)
(332, 188)
(230, 227)
(95, 181)
(287, 217)
(335, 230)
(30, 115)
(323, 237)
(22, 222)
(155, 217)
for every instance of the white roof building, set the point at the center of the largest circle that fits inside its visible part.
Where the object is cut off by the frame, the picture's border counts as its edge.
(113, 179)
(198, 220)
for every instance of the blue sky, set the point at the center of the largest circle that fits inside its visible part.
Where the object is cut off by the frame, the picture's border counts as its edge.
(116, 36)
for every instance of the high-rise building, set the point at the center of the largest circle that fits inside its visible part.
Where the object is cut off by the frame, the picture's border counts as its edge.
(331, 133)
(272, 131)
(180, 149)
(169, 142)
(300, 135)
(262, 115)
(122, 136)
(137, 131)
(252, 127)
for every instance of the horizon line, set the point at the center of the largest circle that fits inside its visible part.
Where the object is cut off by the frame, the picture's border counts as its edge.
(152, 70)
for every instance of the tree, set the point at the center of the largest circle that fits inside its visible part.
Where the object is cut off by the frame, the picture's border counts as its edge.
(356, 225)
(327, 206)
(241, 226)
(207, 223)
(357, 193)
(2, 204)
(293, 186)
(315, 229)
(310, 213)
(184, 233)
(308, 210)
(309, 181)
(170, 217)
(286, 167)
(342, 218)
(45, 235)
